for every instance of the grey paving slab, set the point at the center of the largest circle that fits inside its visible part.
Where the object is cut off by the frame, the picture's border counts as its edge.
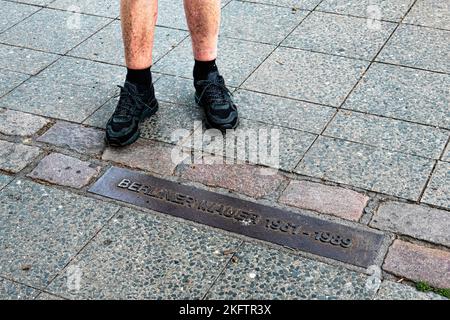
(9, 80)
(13, 13)
(4, 180)
(65, 32)
(310, 76)
(248, 21)
(24, 60)
(104, 8)
(430, 13)
(234, 66)
(51, 98)
(106, 45)
(35, 2)
(340, 35)
(170, 118)
(273, 110)
(10, 290)
(403, 93)
(48, 297)
(264, 273)
(141, 256)
(42, 228)
(446, 156)
(75, 137)
(396, 291)
(366, 167)
(395, 135)
(297, 4)
(19, 123)
(14, 157)
(438, 190)
(176, 90)
(392, 10)
(418, 47)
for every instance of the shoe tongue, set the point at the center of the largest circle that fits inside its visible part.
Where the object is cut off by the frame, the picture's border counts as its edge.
(213, 76)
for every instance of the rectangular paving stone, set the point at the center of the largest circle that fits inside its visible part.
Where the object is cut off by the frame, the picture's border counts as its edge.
(273, 110)
(13, 13)
(144, 154)
(43, 228)
(430, 13)
(75, 137)
(10, 290)
(297, 4)
(106, 45)
(446, 155)
(340, 35)
(418, 47)
(104, 8)
(366, 167)
(176, 90)
(64, 171)
(20, 124)
(269, 274)
(336, 201)
(9, 80)
(393, 10)
(419, 263)
(413, 220)
(248, 21)
(438, 190)
(4, 180)
(403, 93)
(309, 76)
(37, 33)
(234, 66)
(24, 60)
(396, 291)
(388, 133)
(14, 157)
(149, 257)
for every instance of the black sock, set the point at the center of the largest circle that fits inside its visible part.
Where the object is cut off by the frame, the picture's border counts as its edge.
(142, 78)
(203, 68)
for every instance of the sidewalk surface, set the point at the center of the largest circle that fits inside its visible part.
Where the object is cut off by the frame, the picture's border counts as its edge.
(361, 105)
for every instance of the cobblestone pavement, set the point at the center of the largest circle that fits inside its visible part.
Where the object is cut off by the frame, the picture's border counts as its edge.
(359, 91)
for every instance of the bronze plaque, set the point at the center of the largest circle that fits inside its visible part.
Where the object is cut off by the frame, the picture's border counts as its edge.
(289, 229)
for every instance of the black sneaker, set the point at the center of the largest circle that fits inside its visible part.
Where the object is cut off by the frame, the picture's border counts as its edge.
(214, 97)
(123, 127)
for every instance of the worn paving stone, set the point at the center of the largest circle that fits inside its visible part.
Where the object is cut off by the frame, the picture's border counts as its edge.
(396, 291)
(65, 171)
(47, 297)
(366, 167)
(393, 10)
(309, 76)
(13, 13)
(248, 21)
(20, 124)
(14, 157)
(336, 201)
(403, 93)
(9, 80)
(171, 14)
(24, 60)
(297, 4)
(176, 90)
(42, 228)
(387, 133)
(105, 45)
(430, 13)
(340, 35)
(446, 156)
(242, 178)
(273, 110)
(13, 291)
(144, 154)
(104, 8)
(75, 137)
(263, 273)
(4, 180)
(438, 190)
(413, 220)
(141, 256)
(419, 263)
(418, 47)
(36, 33)
(57, 100)
(234, 66)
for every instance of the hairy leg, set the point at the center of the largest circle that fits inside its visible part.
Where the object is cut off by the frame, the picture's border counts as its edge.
(203, 18)
(138, 18)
